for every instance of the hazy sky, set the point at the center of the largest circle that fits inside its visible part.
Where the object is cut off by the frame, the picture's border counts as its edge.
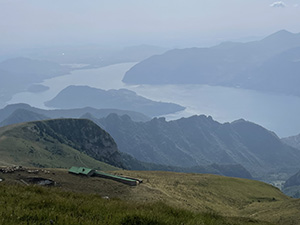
(30, 23)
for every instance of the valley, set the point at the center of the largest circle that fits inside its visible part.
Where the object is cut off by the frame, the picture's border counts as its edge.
(277, 112)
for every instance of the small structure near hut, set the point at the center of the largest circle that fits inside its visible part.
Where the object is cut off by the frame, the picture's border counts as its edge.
(90, 172)
(124, 180)
(11, 169)
(40, 181)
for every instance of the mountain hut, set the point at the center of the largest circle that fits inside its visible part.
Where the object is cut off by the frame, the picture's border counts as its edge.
(90, 172)
(82, 171)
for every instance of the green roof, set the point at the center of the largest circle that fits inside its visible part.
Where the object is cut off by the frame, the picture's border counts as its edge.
(114, 176)
(91, 172)
(80, 170)
(74, 169)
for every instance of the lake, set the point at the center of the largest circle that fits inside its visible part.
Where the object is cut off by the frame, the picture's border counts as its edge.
(278, 113)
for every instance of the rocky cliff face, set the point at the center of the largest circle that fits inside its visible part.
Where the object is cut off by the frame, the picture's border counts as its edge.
(83, 135)
(293, 141)
(58, 143)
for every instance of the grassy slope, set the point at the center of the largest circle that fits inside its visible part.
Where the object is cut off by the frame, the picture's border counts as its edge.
(222, 195)
(28, 151)
(228, 197)
(35, 205)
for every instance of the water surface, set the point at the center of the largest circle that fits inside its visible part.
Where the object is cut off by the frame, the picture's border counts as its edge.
(279, 113)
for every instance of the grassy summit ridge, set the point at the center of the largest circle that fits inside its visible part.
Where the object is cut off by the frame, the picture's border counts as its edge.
(58, 143)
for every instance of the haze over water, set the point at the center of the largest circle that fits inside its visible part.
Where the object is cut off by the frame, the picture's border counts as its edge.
(278, 113)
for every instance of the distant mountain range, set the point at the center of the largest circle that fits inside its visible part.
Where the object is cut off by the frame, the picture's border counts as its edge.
(18, 113)
(68, 142)
(271, 64)
(22, 115)
(199, 140)
(195, 144)
(94, 55)
(29, 70)
(129, 54)
(18, 74)
(85, 96)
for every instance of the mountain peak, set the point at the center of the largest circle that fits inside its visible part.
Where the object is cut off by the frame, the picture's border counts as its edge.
(17, 105)
(239, 121)
(283, 32)
(281, 35)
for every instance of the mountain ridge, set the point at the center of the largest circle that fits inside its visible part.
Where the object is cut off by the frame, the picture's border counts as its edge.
(68, 142)
(199, 140)
(21, 115)
(228, 64)
(184, 144)
(60, 142)
(69, 113)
